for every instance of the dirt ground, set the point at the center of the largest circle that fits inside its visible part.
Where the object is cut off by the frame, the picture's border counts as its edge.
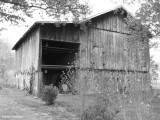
(18, 105)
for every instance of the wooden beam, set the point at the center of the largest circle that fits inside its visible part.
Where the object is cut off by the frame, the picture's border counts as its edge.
(56, 67)
(110, 30)
(116, 70)
(51, 40)
(57, 49)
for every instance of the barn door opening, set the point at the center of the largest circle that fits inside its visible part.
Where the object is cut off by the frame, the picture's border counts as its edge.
(57, 56)
(52, 77)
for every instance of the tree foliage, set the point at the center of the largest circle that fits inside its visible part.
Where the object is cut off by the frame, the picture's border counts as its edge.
(6, 59)
(149, 14)
(15, 10)
(153, 69)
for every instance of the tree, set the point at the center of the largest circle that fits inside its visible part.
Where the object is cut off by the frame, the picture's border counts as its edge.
(153, 69)
(6, 59)
(15, 10)
(148, 14)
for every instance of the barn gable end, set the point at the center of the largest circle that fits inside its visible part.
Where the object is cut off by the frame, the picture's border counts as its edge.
(108, 44)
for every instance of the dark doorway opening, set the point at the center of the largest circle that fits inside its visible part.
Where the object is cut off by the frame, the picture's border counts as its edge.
(52, 77)
(59, 52)
(57, 56)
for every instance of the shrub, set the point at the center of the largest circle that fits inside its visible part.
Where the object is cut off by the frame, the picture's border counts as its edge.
(98, 112)
(49, 94)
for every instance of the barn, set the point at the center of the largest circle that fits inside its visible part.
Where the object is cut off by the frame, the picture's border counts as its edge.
(101, 45)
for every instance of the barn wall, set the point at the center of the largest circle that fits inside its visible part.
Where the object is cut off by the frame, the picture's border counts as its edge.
(27, 62)
(108, 50)
(111, 21)
(107, 44)
(98, 81)
(68, 32)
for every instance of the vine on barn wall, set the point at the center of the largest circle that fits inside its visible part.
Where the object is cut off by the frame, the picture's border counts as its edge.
(69, 78)
(31, 72)
(32, 79)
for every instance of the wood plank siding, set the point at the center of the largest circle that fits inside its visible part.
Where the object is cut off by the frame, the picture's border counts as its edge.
(109, 49)
(97, 81)
(107, 44)
(63, 43)
(27, 56)
(68, 32)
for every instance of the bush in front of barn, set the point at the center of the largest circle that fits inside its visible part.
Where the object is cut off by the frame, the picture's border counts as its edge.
(50, 94)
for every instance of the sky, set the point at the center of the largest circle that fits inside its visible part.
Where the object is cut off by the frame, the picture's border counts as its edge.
(13, 33)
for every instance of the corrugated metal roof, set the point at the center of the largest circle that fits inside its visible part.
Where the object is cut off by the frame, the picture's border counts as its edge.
(38, 23)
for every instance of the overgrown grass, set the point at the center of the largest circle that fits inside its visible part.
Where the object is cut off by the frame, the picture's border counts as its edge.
(101, 111)
(118, 96)
(73, 103)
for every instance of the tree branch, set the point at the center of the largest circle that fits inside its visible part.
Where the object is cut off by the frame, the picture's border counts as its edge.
(30, 6)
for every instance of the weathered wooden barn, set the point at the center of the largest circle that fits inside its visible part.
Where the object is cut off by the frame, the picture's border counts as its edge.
(105, 45)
